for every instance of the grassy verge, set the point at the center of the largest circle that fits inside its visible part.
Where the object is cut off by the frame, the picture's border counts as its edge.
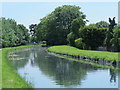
(88, 53)
(10, 79)
(85, 62)
(0, 69)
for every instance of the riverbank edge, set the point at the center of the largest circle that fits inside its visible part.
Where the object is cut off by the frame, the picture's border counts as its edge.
(10, 78)
(85, 62)
(93, 61)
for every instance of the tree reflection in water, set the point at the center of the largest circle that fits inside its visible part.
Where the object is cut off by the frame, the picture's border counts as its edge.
(113, 75)
(63, 72)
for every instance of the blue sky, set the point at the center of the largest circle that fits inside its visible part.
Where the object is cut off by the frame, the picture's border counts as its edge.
(27, 13)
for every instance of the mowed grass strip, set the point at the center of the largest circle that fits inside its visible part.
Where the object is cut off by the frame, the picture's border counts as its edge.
(10, 79)
(88, 53)
(0, 69)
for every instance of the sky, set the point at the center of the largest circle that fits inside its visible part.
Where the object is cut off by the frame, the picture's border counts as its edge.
(119, 14)
(27, 13)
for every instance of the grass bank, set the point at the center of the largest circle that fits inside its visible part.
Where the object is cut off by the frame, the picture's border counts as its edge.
(85, 62)
(0, 69)
(64, 49)
(10, 79)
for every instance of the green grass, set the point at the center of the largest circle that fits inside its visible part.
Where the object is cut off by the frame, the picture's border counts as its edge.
(10, 79)
(85, 62)
(89, 53)
(0, 69)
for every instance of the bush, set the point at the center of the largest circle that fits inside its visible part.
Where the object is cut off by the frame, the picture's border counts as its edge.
(79, 43)
(93, 37)
(70, 38)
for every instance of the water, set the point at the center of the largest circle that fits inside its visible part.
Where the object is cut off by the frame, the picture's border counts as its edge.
(42, 70)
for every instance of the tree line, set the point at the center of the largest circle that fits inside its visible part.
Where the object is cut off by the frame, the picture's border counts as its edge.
(13, 34)
(65, 25)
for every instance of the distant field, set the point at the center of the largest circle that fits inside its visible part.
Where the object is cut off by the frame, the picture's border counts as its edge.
(89, 53)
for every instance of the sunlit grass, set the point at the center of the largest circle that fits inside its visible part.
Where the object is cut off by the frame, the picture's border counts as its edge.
(88, 53)
(0, 69)
(10, 79)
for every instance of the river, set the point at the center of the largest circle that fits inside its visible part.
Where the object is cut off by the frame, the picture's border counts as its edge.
(43, 70)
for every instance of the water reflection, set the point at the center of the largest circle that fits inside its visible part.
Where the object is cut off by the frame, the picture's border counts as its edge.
(62, 72)
(113, 75)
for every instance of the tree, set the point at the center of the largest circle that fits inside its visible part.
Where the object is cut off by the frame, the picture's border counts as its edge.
(13, 34)
(101, 24)
(22, 34)
(46, 30)
(41, 29)
(109, 34)
(76, 24)
(32, 28)
(74, 34)
(55, 27)
(8, 32)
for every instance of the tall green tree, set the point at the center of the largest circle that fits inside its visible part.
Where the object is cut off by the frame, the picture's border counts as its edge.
(32, 28)
(8, 32)
(109, 34)
(74, 34)
(13, 34)
(55, 27)
(22, 34)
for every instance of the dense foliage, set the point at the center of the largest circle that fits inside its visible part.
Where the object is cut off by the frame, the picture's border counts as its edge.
(92, 36)
(115, 41)
(55, 27)
(80, 44)
(110, 37)
(70, 38)
(13, 34)
(74, 34)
